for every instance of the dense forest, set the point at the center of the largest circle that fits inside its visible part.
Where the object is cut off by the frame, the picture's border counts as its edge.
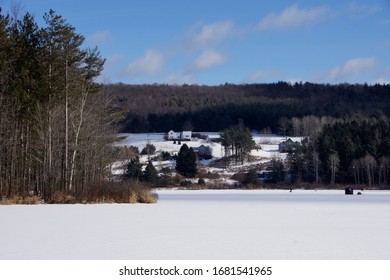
(344, 152)
(50, 108)
(159, 108)
(56, 122)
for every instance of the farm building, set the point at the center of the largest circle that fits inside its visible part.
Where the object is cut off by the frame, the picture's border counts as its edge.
(183, 135)
(288, 145)
(203, 152)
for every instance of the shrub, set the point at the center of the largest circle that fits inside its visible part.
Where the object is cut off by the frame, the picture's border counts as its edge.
(185, 183)
(62, 198)
(133, 198)
(103, 192)
(28, 200)
(147, 197)
(165, 156)
(149, 149)
(246, 178)
(208, 175)
(201, 181)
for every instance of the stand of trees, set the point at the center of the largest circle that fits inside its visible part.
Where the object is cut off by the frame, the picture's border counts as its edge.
(55, 120)
(238, 142)
(134, 171)
(344, 152)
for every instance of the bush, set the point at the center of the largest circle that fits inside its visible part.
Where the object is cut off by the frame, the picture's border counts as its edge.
(130, 191)
(185, 183)
(247, 178)
(149, 149)
(125, 152)
(208, 175)
(165, 156)
(103, 192)
(201, 181)
(62, 198)
(27, 200)
(147, 197)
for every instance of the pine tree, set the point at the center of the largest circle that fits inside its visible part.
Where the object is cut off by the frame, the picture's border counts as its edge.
(134, 169)
(186, 162)
(56, 123)
(150, 174)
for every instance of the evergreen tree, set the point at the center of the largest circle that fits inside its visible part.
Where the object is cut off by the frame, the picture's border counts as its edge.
(56, 124)
(150, 174)
(134, 169)
(186, 162)
(277, 168)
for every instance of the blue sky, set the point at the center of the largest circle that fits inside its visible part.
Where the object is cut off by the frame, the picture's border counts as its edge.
(242, 41)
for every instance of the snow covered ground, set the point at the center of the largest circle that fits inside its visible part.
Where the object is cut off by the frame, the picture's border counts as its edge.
(207, 224)
(267, 142)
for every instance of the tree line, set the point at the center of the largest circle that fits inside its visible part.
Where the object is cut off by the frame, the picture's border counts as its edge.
(160, 107)
(56, 122)
(344, 151)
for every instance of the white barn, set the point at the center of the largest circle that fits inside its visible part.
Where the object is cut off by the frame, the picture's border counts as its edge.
(184, 135)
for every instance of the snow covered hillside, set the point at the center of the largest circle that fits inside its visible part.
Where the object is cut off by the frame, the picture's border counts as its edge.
(223, 224)
(267, 142)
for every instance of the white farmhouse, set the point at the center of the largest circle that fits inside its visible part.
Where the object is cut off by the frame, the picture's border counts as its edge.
(173, 135)
(184, 135)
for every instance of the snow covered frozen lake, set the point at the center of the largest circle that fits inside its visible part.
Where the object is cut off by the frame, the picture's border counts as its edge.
(207, 224)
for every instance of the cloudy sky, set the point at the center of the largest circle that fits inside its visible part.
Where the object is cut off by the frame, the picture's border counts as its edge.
(235, 41)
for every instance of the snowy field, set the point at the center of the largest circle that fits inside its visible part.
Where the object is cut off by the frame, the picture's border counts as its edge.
(268, 143)
(223, 224)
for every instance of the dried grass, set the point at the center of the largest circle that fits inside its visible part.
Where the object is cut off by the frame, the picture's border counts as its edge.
(62, 198)
(106, 192)
(26, 200)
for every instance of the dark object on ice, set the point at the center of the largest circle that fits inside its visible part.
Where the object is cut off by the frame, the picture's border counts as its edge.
(359, 193)
(348, 190)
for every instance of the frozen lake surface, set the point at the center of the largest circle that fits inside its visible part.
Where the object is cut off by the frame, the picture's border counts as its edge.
(207, 224)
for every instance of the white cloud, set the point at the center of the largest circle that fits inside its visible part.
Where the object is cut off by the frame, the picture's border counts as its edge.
(363, 9)
(291, 17)
(211, 34)
(208, 59)
(112, 59)
(99, 37)
(150, 63)
(350, 69)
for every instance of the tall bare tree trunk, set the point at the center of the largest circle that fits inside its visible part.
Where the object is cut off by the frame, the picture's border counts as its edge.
(67, 184)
